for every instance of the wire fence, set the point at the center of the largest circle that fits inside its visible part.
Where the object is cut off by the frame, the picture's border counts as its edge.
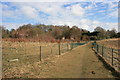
(32, 52)
(110, 55)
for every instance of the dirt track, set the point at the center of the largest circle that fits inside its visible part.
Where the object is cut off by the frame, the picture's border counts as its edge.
(81, 62)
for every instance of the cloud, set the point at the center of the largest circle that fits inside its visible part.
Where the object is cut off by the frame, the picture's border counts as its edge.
(4, 6)
(55, 13)
(106, 26)
(5, 11)
(101, 11)
(111, 26)
(89, 7)
(77, 10)
(113, 4)
(86, 24)
(10, 26)
(59, 0)
(29, 12)
(114, 14)
(8, 13)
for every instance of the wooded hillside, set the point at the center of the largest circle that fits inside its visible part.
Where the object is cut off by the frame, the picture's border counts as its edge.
(43, 32)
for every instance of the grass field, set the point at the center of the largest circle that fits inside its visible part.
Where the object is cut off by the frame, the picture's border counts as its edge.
(28, 64)
(27, 53)
(111, 43)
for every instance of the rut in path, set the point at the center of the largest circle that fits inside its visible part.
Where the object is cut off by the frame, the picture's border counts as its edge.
(81, 62)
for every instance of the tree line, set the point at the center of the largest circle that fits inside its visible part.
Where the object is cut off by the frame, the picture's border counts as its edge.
(54, 32)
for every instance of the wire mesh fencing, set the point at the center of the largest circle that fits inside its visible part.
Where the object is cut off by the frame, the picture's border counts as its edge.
(110, 55)
(73, 45)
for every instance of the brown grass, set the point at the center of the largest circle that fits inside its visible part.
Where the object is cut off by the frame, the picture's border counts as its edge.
(27, 54)
(110, 43)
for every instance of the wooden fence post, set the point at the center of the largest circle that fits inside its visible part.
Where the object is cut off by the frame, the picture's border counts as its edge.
(59, 48)
(25, 47)
(40, 54)
(97, 48)
(102, 51)
(93, 45)
(112, 57)
(71, 46)
(67, 46)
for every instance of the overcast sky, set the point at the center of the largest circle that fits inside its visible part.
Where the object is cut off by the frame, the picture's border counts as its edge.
(86, 15)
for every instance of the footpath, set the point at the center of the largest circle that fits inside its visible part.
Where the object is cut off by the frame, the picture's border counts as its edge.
(81, 62)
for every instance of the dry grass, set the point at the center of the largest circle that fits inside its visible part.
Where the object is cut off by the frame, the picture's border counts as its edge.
(110, 43)
(73, 64)
(28, 54)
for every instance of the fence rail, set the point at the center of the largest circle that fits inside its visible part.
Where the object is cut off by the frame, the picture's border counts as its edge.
(110, 55)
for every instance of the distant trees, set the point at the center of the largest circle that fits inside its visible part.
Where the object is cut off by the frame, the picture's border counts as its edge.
(5, 33)
(75, 33)
(66, 32)
(112, 33)
(101, 33)
(118, 34)
(52, 32)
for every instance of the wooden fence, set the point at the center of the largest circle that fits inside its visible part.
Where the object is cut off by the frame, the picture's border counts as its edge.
(110, 55)
(34, 51)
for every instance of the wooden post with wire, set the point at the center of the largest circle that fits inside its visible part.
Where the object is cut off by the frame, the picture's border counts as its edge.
(102, 51)
(112, 57)
(40, 54)
(59, 49)
(97, 48)
(67, 46)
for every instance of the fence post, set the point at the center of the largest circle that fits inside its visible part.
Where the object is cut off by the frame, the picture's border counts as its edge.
(59, 48)
(102, 51)
(93, 45)
(67, 46)
(71, 46)
(25, 48)
(97, 48)
(40, 54)
(112, 56)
